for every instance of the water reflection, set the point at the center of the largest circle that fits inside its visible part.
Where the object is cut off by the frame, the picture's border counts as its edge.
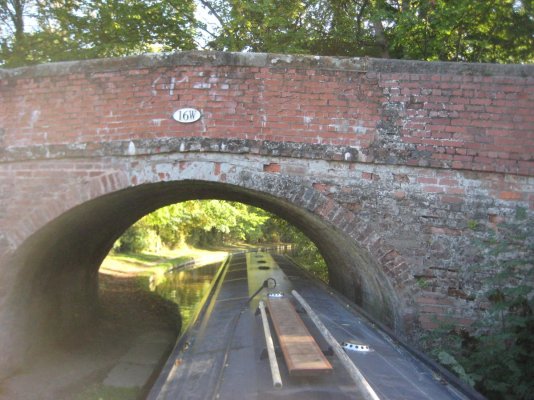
(187, 288)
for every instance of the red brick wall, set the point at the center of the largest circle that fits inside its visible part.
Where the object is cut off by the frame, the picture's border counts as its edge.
(467, 122)
(398, 156)
(237, 102)
(459, 116)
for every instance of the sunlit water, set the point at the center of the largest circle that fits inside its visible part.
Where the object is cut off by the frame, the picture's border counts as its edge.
(187, 288)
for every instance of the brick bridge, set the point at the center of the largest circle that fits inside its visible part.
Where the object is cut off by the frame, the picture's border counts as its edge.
(383, 164)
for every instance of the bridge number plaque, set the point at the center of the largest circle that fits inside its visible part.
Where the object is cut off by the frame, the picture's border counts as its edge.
(187, 115)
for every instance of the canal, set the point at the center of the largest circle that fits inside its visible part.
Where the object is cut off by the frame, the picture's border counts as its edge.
(187, 288)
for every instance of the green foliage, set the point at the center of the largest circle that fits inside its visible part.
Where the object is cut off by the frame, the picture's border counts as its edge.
(521, 213)
(472, 224)
(451, 362)
(260, 26)
(304, 250)
(326, 27)
(308, 256)
(462, 30)
(82, 29)
(215, 222)
(138, 238)
(423, 282)
(498, 354)
(501, 362)
(458, 30)
(36, 31)
(202, 223)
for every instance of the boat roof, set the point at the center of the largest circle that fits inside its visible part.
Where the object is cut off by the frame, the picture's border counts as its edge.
(223, 354)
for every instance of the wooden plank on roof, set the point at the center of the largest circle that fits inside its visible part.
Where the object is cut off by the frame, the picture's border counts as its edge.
(301, 352)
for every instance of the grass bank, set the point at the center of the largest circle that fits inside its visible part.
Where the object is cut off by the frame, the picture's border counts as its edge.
(149, 268)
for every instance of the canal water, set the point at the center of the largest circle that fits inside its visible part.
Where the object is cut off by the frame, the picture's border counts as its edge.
(187, 288)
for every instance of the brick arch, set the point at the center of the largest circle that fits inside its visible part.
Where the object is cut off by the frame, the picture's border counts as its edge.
(399, 156)
(299, 191)
(91, 188)
(62, 272)
(308, 196)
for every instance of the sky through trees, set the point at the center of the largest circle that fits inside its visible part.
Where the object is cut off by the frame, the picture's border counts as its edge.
(37, 31)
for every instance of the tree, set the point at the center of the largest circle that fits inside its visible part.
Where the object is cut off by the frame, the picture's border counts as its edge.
(461, 30)
(259, 26)
(326, 27)
(448, 30)
(303, 250)
(197, 222)
(81, 29)
(13, 13)
(217, 222)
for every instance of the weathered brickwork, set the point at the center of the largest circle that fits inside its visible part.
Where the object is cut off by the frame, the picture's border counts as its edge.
(386, 165)
(451, 116)
(461, 121)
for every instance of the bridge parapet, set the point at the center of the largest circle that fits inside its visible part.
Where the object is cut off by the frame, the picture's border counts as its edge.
(387, 165)
(438, 115)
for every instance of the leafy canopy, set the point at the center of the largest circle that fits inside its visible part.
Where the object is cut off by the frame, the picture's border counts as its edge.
(81, 29)
(215, 223)
(35, 31)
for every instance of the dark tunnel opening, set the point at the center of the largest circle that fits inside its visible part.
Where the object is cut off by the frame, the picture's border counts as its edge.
(56, 289)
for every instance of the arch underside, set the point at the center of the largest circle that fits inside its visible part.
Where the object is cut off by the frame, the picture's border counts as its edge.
(56, 289)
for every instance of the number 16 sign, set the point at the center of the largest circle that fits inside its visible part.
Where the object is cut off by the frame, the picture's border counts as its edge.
(187, 115)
